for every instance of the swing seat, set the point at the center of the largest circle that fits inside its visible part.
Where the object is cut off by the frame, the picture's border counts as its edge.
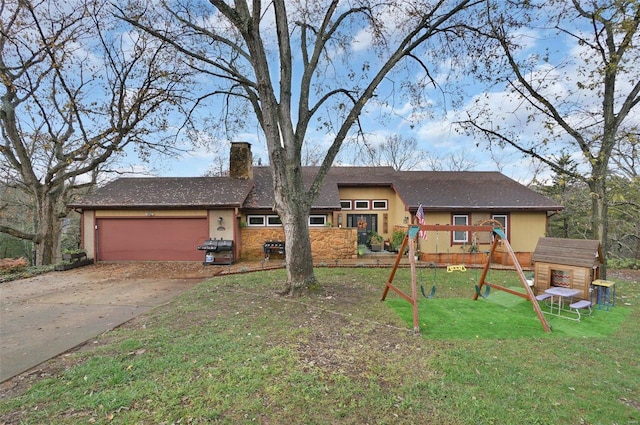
(459, 268)
(431, 294)
(486, 291)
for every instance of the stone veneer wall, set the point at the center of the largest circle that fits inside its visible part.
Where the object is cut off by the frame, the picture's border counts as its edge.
(327, 243)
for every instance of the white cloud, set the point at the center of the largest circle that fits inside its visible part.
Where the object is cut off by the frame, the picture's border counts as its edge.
(362, 41)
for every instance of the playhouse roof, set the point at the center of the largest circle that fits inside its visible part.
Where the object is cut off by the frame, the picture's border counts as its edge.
(570, 252)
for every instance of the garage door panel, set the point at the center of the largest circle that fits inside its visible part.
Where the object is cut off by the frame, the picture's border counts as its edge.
(146, 239)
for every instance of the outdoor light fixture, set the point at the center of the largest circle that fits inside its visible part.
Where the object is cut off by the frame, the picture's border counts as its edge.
(405, 220)
(219, 221)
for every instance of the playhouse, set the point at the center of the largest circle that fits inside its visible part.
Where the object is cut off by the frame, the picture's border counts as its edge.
(569, 263)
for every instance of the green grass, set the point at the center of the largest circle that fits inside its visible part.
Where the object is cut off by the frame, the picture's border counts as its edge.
(502, 316)
(230, 351)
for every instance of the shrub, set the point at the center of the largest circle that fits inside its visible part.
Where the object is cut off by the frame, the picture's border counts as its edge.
(623, 263)
(13, 265)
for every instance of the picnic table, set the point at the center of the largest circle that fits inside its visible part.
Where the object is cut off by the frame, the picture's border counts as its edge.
(564, 293)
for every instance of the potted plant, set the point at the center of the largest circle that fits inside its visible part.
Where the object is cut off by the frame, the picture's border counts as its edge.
(375, 241)
(396, 240)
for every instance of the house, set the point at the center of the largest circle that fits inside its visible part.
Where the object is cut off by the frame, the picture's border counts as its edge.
(167, 218)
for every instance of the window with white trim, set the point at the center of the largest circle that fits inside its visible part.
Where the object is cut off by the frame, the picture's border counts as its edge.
(317, 220)
(273, 220)
(460, 236)
(255, 220)
(345, 204)
(361, 204)
(379, 204)
(502, 219)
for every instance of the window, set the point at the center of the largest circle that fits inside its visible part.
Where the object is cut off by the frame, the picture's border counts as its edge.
(561, 278)
(502, 219)
(379, 204)
(255, 220)
(459, 236)
(273, 220)
(362, 205)
(317, 220)
(345, 204)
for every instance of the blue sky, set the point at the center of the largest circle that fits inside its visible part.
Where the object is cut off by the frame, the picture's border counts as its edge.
(434, 132)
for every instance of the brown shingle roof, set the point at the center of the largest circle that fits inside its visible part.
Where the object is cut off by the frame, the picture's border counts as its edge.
(329, 198)
(468, 190)
(436, 190)
(168, 192)
(570, 252)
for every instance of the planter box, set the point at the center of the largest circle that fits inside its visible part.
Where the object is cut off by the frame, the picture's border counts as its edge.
(75, 260)
(78, 263)
(376, 247)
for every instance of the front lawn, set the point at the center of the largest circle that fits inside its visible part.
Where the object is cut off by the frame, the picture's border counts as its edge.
(231, 351)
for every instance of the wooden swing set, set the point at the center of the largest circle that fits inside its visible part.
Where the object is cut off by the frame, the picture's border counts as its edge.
(498, 235)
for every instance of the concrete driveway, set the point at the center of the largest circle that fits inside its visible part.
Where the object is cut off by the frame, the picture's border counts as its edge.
(47, 315)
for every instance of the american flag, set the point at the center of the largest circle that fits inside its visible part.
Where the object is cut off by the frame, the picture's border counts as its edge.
(420, 217)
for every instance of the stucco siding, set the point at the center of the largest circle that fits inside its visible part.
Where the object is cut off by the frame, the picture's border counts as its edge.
(88, 235)
(394, 214)
(221, 229)
(526, 229)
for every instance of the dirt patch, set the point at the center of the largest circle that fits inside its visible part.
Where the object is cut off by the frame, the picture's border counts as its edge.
(626, 275)
(164, 270)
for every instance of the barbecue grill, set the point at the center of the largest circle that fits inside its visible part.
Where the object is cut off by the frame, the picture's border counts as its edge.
(217, 251)
(273, 247)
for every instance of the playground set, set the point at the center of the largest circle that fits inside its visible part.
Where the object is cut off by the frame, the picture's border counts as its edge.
(482, 288)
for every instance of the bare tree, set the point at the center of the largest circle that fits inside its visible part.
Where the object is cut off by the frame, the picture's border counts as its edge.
(296, 63)
(452, 161)
(579, 102)
(77, 91)
(624, 187)
(312, 154)
(395, 151)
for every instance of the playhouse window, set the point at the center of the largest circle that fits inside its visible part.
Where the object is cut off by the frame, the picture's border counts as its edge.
(561, 278)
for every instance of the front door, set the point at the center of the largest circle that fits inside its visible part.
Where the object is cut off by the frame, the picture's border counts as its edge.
(365, 223)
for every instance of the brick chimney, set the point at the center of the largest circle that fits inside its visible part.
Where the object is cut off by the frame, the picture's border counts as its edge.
(240, 161)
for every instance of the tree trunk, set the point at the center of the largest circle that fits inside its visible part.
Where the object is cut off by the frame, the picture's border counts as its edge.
(46, 229)
(599, 217)
(300, 276)
(293, 209)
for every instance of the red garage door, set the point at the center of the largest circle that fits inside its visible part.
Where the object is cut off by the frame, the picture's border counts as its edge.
(146, 239)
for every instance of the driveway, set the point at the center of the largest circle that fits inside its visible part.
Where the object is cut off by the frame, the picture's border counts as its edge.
(47, 315)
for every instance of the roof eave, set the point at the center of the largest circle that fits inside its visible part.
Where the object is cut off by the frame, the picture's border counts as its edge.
(487, 208)
(153, 206)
